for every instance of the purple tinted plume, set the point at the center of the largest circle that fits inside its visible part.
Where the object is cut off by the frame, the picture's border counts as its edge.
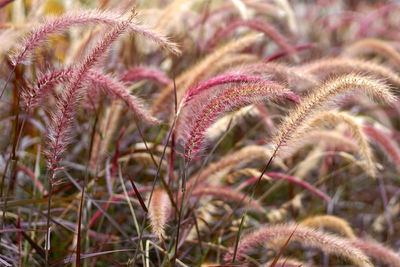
(257, 25)
(66, 106)
(59, 24)
(145, 73)
(198, 116)
(117, 89)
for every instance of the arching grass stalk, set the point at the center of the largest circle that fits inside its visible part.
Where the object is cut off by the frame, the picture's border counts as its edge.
(177, 112)
(253, 190)
(183, 182)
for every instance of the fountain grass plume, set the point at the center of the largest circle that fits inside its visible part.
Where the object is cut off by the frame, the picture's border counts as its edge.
(371, 45)
(197, 72)
(159, 212)
(390, 147)
(328, 68)
(229, 78)
(59, 24)
(141, 73)
(332, 118)
(192, 128)
(33, 95)
(227, 194)
(329, 221)
(324, 99)
(328, 243)
(331, 139)
(254, 24)
(377, 251)
(66, 106)
(118, 90)
(236, 159)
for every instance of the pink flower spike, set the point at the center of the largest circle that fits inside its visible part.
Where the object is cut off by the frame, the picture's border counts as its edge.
(118, 90)
(285, 52)
(378, 251)
(59, 24)
(291, 179)
(63, 115)
(198, 117)
(305, 185)
(254, 24)
(385, 142)
(219, 80)
(328, 243)
(145, 73)
(227, 194)
(34, 95)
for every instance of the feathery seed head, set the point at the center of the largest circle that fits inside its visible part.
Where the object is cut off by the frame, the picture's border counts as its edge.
(280, 233)
(159, 211)
(325, 98)
(206, 110)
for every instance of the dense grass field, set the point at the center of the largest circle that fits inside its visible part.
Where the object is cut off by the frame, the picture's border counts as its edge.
(199, 133)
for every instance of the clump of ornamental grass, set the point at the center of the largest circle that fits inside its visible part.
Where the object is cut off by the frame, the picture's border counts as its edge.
(90, 177)
(63, 115)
